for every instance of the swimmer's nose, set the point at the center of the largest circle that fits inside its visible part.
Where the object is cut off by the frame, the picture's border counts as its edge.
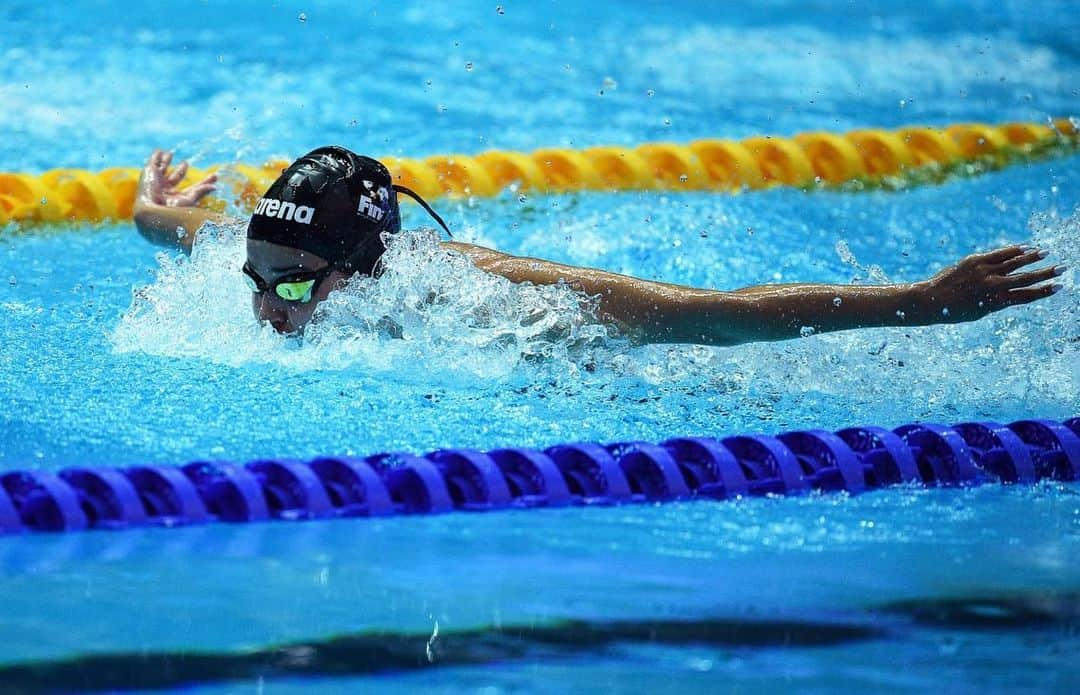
(277, 316)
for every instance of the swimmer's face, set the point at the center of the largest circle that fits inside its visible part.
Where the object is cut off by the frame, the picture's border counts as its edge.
(273, 263)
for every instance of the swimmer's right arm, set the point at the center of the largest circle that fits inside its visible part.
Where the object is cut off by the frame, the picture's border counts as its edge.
(166, 215)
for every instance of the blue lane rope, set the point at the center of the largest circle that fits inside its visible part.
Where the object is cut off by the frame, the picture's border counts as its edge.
(854, 459)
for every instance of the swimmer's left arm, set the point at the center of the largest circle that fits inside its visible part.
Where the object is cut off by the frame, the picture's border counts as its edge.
(656, 312)
(166, 215)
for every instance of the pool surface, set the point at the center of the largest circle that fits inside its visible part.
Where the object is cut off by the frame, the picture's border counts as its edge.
(115, 352)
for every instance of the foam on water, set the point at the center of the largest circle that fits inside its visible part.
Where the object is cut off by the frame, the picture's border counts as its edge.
(431, 313)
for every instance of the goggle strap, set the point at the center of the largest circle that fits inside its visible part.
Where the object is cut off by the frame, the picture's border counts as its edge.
(415, 196)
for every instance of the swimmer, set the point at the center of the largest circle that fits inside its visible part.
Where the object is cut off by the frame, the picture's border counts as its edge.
(321, 223)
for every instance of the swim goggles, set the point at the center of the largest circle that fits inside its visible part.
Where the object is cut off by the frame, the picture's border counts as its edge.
(292, 288)
(298, 287)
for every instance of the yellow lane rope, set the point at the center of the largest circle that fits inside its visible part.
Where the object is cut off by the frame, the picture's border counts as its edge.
(854, 160)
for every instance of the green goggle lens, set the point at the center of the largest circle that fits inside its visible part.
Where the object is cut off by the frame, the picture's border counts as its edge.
(295, 291)
(298, 290)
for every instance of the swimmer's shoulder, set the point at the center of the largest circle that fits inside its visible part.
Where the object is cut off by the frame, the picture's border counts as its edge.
(471, 251)
(487, 259)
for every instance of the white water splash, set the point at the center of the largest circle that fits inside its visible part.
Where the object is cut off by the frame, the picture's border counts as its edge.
(874, 272)
(431, 312)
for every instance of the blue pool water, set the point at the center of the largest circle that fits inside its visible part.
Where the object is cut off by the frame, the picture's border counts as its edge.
(116, 353)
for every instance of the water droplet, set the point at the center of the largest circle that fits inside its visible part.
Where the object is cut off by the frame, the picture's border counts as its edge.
(221, 59)
(468, 66)
(944, 311)
(499, 9)
(903, 103)
(441, 108)
(900, 315)
(836, 301)
(12, 281)
(806, 331)
(610, 83)
(44, 200)
(649, 93)
(704, 234)
(179, 232)
(302, 17)
(684, 178)
(667, 121)
(522, 198)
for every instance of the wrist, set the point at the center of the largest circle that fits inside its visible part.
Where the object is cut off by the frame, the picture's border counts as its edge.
(916, 303)
(932, 304)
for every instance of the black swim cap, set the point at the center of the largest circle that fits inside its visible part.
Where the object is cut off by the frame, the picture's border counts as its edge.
(333, 203)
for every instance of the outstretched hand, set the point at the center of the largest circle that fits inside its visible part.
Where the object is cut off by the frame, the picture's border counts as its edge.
(158, 184)
(987, 282)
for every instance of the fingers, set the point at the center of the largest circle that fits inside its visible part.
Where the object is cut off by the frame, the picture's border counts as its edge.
(1026, 258)
(160, 161)
(155, 166)
(1001, 255)
(1033, 277)
(192, 195)
(1026, 295)
(159, 167)
(177, 174)
(159, 185)
(200, 191)
(150, 182)
(202, 188)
